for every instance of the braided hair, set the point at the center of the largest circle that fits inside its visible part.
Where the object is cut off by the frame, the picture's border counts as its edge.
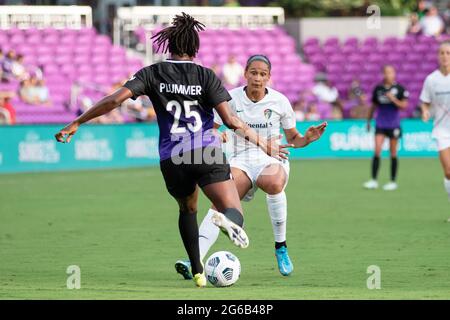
(181, 37)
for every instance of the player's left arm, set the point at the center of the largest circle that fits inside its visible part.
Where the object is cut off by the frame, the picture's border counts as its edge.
(294, 137)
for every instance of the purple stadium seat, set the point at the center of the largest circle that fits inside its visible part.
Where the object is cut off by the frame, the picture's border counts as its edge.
(413, 57)
(332, 41)
(337, 58)
(394, 57)
(370, 42)
(375, 58)
(68, 55)
(35, 39)
(17, 39)
(83, 55)
(391, 41)
(347, 50)
(351, 42)
(312, 50)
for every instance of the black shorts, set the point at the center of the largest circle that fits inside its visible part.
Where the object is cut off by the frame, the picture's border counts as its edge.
(395, 133)
(197, 167)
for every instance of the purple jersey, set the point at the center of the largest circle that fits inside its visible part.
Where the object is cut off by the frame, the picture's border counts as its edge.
(183, 95)
(388, 114)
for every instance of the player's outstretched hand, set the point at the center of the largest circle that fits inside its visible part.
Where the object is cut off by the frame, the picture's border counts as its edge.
(277, 150)
(315, 132)
(65, 135)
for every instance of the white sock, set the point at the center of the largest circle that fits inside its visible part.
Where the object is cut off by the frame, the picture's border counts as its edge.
(277, 205)
(208, 233)
(447, 186)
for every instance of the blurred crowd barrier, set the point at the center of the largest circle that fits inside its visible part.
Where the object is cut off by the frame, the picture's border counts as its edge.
(25, 148)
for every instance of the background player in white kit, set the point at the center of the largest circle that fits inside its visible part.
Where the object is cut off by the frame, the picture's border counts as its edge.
(266, 111)
(435, 99)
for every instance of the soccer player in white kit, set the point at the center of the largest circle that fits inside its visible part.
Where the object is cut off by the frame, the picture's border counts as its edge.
(267, 111)
(435, 97)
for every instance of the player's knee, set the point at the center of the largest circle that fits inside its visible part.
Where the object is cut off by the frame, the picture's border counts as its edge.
(275, 187)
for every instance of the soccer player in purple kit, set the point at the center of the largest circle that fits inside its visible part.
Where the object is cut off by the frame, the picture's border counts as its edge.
(388, 99)
(184, 95)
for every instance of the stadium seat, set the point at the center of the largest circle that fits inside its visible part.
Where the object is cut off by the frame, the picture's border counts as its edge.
(67, 56)
(289, 73)
(413, 57)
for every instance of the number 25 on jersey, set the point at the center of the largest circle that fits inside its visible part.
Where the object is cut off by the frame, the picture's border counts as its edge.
(176, 129)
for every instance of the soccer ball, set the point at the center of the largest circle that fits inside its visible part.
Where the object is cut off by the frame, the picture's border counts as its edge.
(222, 269)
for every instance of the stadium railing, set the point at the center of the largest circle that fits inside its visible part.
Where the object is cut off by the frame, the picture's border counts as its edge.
(24, 17)
(130, 18)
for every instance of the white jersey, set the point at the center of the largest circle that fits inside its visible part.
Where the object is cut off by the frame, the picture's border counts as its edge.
(436, 92)
(267, 117)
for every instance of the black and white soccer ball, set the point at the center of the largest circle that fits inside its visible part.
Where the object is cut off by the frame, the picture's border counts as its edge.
(222, 269)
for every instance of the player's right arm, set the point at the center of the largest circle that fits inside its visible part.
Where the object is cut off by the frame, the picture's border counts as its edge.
(105, 105)
(425, 109)
(425, 98)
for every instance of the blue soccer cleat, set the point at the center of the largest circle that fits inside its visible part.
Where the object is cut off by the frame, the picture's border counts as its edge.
(284, 262)
(183, 267)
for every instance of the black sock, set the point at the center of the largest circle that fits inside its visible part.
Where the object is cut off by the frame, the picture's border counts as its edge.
(375, 166)
(187, 224)
(234, 215)
(394, 167)
(278, 245)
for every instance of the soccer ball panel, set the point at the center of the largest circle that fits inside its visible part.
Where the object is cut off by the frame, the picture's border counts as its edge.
(222, 269)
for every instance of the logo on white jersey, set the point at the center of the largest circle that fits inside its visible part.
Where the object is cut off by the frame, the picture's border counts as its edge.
(267, 113)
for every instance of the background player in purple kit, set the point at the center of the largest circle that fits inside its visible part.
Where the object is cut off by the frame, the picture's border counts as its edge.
(184, 95)
(387, 100)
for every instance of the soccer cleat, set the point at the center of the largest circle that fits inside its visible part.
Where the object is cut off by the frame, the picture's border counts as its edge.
(371, 184)
(284, 262)
(236, 234)
(200, 280)
(390, 186)
(183, 267)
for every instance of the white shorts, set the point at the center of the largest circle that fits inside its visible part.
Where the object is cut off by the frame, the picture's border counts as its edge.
(253, 165)
(442, 135)
(443, 143)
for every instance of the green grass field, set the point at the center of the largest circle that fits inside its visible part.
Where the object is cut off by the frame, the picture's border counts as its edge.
(120, 228)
